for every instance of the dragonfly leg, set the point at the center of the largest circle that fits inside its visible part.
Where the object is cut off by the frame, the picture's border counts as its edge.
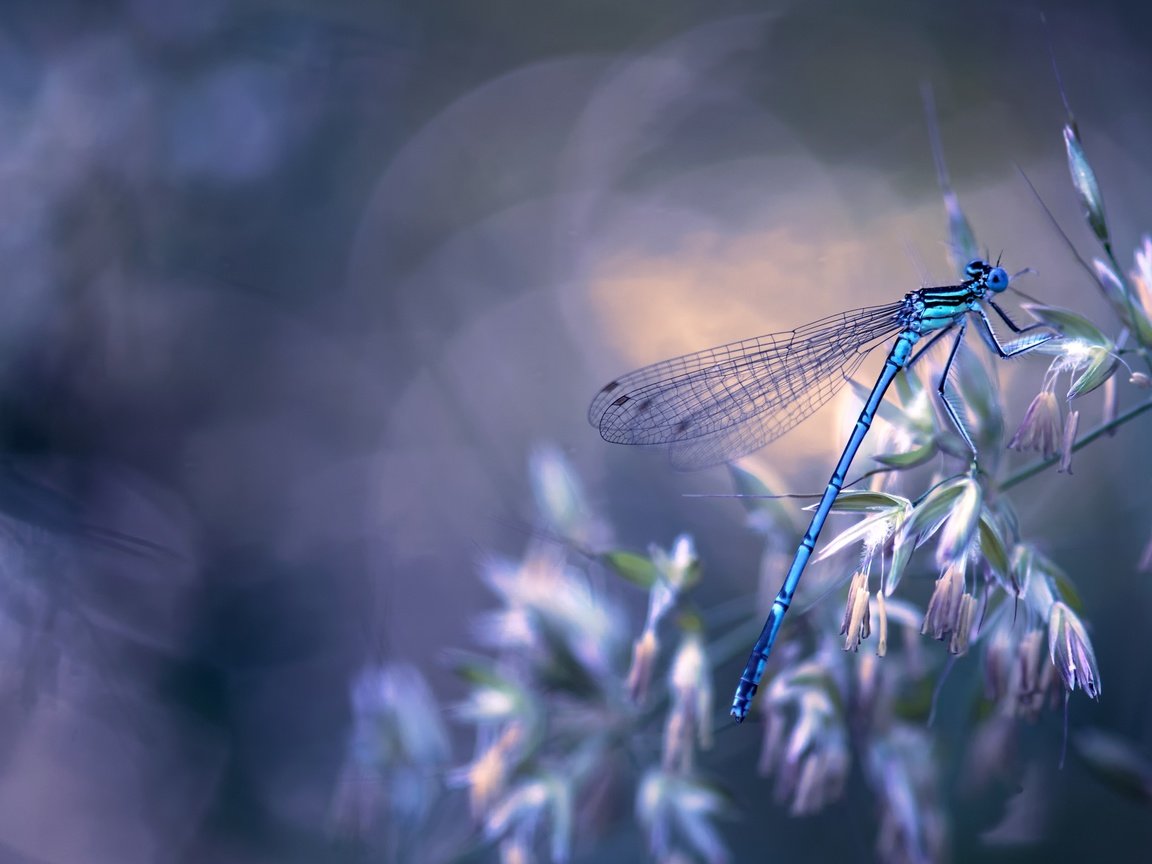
(1016, 328)
(1018, 346)
(949, 408)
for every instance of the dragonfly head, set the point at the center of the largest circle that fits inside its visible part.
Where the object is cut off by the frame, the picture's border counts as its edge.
(995, 279)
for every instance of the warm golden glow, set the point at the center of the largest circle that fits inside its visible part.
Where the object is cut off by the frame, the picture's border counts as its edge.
(711, 289)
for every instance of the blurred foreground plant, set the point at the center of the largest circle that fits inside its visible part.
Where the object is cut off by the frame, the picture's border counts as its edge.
(563, 699)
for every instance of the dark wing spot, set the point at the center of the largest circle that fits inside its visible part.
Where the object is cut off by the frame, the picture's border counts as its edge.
(683, 426)
(621, 400)
(644, 406)
(610, 386)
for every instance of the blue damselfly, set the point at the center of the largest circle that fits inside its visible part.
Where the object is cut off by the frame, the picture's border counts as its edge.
(718, 405)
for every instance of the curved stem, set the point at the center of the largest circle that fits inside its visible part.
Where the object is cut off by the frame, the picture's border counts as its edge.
(1104, 428)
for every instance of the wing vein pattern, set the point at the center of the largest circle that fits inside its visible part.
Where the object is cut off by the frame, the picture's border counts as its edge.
(726, 402)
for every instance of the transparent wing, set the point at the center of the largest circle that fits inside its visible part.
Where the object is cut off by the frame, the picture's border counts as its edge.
(717, 405)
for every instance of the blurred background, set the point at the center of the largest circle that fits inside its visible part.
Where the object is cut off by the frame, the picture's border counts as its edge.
(292, 289)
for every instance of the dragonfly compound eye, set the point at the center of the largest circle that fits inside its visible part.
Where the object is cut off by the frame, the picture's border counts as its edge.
(997, 279)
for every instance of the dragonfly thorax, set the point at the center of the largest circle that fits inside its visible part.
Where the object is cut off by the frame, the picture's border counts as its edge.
(938, 308)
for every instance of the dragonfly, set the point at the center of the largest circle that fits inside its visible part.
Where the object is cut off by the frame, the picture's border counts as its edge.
(717, 405)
